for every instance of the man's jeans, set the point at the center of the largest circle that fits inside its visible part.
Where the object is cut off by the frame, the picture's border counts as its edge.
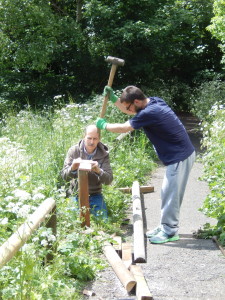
(173, 187)
(97, 205)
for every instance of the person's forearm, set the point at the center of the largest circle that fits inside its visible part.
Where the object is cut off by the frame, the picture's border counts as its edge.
(118, 128)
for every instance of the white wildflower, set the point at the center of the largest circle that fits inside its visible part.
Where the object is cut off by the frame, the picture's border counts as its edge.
(14, 207)
(45, 233)
(35, 239)
(38, 189)
(24, 211)
(38, 196)
(4, 221)
(4, 139)
(44, 243)
(51, 238)
(22, 195)
(9, 198)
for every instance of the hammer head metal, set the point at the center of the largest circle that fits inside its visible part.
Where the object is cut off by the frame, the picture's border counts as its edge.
(115, 61)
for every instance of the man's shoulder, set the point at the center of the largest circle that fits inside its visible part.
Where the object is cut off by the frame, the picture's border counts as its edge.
(103, 148)
(76, 147)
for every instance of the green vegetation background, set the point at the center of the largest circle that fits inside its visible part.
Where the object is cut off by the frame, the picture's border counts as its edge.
(57, 47)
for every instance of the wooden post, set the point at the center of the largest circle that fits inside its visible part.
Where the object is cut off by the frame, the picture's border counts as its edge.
(144, 189)
(124, 275)
(52, 223)
(84, 168)
(19, 238)
(142, 290)
(138, 241)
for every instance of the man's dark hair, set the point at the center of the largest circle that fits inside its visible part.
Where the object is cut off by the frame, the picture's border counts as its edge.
(130, 93)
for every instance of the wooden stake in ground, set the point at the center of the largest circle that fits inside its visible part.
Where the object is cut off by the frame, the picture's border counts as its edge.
(142, 290)
(138, 237)
(125, 276)
(84, 168)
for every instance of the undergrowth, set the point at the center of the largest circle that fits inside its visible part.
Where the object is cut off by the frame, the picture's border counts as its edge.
(33, 146)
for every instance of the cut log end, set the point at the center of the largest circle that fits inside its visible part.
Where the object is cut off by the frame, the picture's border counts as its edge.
(140, 260)
(130, 285)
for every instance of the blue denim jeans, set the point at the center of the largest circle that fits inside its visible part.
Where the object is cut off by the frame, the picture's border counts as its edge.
(97, 205)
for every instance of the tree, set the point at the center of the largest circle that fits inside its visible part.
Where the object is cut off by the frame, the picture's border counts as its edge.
(39, 42)
(158, 39)
(217, 27)
(34, 35)
(58, 46)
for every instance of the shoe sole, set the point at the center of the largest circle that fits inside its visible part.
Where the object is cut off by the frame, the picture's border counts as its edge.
(172, 239)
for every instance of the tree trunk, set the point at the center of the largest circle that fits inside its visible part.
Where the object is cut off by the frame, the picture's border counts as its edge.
(79, 10)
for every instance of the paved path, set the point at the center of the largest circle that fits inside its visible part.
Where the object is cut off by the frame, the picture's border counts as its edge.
(189, 268)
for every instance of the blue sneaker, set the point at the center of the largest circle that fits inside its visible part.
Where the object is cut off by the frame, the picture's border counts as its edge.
(153, 232)
(162, 237)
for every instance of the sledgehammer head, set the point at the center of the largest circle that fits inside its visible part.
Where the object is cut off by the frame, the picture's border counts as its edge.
(115, 61)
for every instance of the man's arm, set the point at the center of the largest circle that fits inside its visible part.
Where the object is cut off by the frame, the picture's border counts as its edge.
(116, 100)
(70, 166)
(119, 128)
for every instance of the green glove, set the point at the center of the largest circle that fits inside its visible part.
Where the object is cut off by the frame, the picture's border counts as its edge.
(101, 123)
(109, 91)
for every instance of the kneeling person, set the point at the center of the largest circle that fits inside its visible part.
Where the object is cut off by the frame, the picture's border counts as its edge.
(90, 148)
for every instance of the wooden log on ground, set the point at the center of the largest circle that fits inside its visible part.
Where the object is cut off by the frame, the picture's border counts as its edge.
(124, 275)
(144, 189)
(83, 191)
(138, 236)
(127, 254)
(142, 290)
(19, 238)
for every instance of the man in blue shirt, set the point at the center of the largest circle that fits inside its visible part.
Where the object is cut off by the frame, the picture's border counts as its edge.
(172, 145)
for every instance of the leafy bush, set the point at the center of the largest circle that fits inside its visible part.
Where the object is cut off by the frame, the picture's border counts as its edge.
(204, 97)
(175, 93)
(214, 168)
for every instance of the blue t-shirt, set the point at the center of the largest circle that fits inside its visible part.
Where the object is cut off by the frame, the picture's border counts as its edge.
(164, 130)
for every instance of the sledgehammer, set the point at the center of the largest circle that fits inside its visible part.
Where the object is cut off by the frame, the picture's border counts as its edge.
(115, 63)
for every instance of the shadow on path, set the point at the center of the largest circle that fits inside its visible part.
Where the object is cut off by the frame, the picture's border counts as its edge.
(187, 241)
(191, 124)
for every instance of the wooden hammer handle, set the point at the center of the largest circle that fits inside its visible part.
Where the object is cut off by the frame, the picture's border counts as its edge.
(110, 82)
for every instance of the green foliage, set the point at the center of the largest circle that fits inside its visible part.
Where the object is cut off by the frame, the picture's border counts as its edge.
(33, 145)
(205, 97)
(32, 33)
(214, 167)
(129, 171)
(76, 261)
(160, 39)
(45, 51)
(217, 27)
